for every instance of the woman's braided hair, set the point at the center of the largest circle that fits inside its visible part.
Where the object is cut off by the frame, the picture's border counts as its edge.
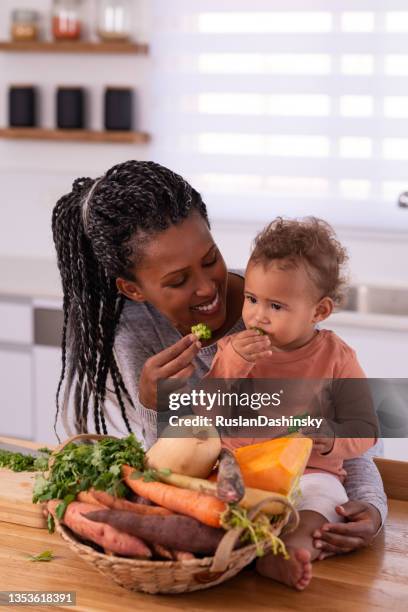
(99, 230)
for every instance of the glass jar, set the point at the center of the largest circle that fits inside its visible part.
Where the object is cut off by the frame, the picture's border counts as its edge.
(114, 20)
(24, 25)
(66, 19)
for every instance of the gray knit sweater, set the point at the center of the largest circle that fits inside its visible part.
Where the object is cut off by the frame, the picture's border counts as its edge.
(144, 332)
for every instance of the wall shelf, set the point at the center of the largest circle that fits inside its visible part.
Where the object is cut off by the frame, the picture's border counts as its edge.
(75, 135)
(74, 47)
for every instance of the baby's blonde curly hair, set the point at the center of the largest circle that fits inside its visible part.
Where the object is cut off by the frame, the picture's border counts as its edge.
(310, 241)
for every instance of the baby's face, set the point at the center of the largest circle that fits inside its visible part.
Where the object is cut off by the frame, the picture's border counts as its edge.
(282, 303)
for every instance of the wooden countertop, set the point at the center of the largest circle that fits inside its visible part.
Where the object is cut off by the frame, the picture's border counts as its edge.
(375, 578)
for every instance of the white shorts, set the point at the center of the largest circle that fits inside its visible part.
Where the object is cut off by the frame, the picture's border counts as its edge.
(321, 492)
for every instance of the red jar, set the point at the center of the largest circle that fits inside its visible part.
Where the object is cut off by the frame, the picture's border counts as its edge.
(66, 19)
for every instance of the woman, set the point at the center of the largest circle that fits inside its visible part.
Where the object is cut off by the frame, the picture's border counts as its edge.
(139, 266)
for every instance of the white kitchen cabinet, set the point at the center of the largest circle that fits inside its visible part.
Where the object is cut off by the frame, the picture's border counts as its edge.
(15, 321)
(382, 353)
(16, 392)
(47, 368)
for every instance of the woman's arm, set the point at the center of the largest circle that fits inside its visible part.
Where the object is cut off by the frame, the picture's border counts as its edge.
(363, 481)
(364, 514)
(147, 350)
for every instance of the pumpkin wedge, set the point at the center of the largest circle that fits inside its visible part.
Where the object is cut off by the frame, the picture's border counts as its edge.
(274, 465)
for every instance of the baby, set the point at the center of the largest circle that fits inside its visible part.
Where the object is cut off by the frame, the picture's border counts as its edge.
(294, 279)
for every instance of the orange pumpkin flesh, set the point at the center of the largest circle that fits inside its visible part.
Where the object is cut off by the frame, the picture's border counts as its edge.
(274, 465)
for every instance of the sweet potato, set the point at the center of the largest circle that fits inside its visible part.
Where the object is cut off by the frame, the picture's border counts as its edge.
(163, 552)
(175, 532)
(105, 535)
(182, 555)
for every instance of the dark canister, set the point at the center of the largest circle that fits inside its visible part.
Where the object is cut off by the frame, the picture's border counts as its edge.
(22, 106)
(70, 108)
(118, 108)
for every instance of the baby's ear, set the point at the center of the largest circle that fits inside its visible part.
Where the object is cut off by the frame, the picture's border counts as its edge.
(130, 289)
(323, 309)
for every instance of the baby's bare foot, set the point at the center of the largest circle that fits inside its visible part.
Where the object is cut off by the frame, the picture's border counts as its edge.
(295, 572)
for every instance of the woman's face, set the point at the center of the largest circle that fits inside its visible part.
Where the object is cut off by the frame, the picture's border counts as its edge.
(183, 275)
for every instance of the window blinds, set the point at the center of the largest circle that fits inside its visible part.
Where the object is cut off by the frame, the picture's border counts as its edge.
(271, 108)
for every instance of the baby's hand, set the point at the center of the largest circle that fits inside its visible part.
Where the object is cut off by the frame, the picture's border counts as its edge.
(325, 441)
(251, 345)
(323, 445)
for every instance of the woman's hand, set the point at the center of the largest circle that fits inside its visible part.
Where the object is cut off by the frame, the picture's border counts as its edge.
(251, 345)
(173, 362)
(362, 524)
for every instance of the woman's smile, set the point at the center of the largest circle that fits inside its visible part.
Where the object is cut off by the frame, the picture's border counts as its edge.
(209, 307)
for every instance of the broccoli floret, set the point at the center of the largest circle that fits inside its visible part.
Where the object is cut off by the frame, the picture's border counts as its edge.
(259, 330)
(202, 331)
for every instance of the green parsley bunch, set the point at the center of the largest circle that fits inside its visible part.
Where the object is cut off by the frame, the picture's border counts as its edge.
(78, 467)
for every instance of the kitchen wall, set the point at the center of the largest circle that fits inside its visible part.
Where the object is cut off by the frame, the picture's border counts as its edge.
(375, 257)
(34, 174)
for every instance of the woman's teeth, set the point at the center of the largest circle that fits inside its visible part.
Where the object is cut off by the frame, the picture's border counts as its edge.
(208, 307)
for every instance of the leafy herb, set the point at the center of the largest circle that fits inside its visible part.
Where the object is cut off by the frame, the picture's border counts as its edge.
(46, 555)
(257, 531)
(50, 523)
(150, 475)
(78, 467)
(23, 463)
(46, 450)
(295, 428)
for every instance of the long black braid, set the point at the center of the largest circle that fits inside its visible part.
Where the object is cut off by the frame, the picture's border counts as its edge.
(99, 230)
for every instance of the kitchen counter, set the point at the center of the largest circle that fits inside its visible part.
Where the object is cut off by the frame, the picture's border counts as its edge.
(375, 578)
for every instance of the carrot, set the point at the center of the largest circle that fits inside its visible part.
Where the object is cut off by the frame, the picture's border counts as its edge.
(204, 508)
(251, 498)
(88, 497)
(109, 501)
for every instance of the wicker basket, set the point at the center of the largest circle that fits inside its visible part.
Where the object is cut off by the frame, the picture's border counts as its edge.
(176, 576)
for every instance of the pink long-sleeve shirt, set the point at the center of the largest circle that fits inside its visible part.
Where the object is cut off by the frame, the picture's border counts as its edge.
(326, 356)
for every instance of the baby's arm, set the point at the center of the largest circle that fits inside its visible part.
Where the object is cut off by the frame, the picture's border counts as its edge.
(354, 426)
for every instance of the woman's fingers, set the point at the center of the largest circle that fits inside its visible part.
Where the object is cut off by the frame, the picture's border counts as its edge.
(325, 555)
(353, 529)
(180, 362)
(172, 352)
(338, 543)
(184, 373)
(174, 360)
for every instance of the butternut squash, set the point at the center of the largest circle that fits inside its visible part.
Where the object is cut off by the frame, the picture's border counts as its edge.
(193, 453)
(274, 465)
